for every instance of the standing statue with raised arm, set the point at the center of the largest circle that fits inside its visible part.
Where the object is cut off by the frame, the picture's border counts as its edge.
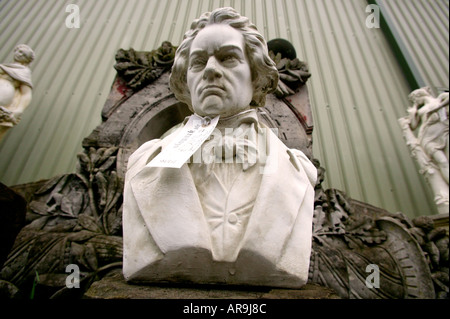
(429, 116)
(15, 88)
(240, 209)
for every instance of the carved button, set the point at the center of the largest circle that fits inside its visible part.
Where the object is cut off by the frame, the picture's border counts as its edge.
(232, 218)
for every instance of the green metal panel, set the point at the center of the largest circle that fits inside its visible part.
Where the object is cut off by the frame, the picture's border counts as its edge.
(401, 52)
(357, 88)
(422, 28)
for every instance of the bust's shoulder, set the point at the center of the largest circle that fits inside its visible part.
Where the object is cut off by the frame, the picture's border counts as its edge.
(302, 162)
(295, 157)
(140, 157)
(147, 151)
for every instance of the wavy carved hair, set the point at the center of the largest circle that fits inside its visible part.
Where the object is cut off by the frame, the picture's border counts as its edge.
(415, 95)
(264, 71)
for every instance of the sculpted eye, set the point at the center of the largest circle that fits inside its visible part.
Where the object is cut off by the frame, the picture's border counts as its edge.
(197, 63)
(229, 59)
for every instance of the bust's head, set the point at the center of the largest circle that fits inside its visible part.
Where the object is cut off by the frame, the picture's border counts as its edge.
(23, 54)
(222, 66)
(418, 96)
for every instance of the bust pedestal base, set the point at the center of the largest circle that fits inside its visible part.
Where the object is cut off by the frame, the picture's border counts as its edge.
(114, 286)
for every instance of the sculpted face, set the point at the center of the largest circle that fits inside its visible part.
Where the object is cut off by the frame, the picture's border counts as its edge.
(219, 76)
(22, 54)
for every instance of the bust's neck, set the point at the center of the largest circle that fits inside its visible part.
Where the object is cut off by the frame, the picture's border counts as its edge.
(235, 120)
(21, 63)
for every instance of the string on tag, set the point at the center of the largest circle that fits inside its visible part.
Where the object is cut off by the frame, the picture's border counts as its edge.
(206, 121)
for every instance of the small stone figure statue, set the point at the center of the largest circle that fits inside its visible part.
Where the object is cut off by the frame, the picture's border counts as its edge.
(429, 115)
(15, 87)
(242, 212)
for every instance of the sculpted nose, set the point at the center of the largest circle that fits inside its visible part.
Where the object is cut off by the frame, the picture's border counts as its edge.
(212, 70)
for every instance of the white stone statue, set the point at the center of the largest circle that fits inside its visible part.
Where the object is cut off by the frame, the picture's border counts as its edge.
(429, 116)
(15, 88)
(240, 211)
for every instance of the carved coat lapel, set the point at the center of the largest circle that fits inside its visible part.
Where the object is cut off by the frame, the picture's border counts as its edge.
(277, 209)
(173, 214)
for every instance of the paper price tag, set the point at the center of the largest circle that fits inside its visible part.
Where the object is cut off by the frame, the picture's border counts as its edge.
(186, 143)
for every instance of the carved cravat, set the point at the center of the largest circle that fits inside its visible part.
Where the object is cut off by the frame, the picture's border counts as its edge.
(238, 146)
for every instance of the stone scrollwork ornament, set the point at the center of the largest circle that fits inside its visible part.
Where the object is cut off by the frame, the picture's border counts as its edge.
(428, 116)
(73, 219)
(351, 239)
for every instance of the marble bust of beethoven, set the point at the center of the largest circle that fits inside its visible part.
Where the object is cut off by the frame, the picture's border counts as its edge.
(227, 220)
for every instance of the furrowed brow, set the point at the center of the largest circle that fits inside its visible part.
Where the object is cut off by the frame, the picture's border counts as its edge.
(230, 48)
(197, 53)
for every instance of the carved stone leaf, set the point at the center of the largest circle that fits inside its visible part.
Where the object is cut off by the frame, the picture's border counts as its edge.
(93, 157)
(115, 188)
(102, 187)
(353, 242)
(293, 73)
(107, 153)
(38, 207)
(139, 68)
(84, 161)
(39, 223)
(107, 164)
(49, 185)
(112, 192)
(72, 204)
(113, 221)
(89, 257)
(82, 235)
(88, 223)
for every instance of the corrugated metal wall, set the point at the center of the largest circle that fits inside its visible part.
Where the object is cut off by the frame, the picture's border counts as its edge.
(429, 52)
(357, 90)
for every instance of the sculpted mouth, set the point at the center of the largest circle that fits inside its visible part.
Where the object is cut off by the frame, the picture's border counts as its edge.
(212, 90)
(217, 87)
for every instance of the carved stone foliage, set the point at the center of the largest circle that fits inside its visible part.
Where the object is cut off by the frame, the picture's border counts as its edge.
(364, 252)
(293, 74)
(72, 219)
(139, 68)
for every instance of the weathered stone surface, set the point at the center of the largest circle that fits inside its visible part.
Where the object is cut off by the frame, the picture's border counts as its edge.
(114, 286)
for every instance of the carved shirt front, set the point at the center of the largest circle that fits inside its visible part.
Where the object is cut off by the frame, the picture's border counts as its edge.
(228, 192)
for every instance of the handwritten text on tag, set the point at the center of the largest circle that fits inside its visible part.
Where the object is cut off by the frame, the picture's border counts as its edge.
(191, 137)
